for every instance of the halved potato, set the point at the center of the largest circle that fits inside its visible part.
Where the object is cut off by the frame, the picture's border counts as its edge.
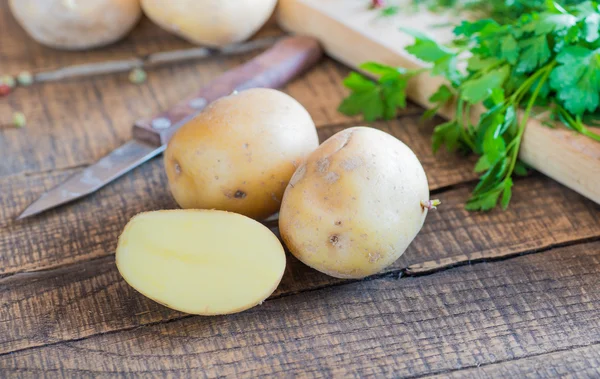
(204, 262)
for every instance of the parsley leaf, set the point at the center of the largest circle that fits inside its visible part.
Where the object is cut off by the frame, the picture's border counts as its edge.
(447, 134)
(444, 59)
(558, 23)
(535, 52)
(375, 100)
(440, 97)
(509, 49)
(425, 48)
(577, 79)
(591, 28)
(477, 89)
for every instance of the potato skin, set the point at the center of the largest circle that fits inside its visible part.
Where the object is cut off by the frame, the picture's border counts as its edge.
(239, 154)
(76, 25)
(355, 205)
(210, 22)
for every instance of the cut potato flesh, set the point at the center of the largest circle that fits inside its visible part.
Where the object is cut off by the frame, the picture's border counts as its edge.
(203, 262)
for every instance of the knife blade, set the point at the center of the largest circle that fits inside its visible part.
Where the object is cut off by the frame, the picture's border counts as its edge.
(273, 68)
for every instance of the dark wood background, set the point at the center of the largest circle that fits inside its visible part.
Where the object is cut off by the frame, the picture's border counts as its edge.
(513, 293)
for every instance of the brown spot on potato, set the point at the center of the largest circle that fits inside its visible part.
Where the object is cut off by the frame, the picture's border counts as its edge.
(332, 177)
(216, 177)
(177, 168)
(334, 239)
(322, 165)
(239, 194)
(338, 223)
(351, 164)
(246, 145)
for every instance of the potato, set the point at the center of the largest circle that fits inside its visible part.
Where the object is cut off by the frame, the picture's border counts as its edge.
(76, 24)
(200, 261)
(355, 205)
(239, 154)
(210, 22)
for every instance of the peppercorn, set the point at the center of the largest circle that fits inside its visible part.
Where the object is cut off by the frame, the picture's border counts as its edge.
(4, 90)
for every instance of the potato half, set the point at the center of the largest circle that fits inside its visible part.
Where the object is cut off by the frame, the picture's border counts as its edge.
(355, 205)
(239, 154)
(210, 22)
(200, 261)
(76, 24)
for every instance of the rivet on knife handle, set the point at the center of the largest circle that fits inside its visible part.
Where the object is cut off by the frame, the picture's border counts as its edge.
(273, 68)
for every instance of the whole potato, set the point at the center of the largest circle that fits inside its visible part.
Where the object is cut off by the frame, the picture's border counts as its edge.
(210, 22)
(239, 154)
(355, 205)
(76, 24)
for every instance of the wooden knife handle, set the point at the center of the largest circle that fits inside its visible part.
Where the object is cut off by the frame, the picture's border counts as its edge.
(271, 69)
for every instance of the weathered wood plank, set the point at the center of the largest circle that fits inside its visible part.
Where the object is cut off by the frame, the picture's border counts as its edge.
(74, 123)
(89, 228)
(89, 297)
(455, 319)
(583, 362)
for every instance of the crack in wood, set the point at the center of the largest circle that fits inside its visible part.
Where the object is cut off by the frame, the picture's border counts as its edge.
(393, 274)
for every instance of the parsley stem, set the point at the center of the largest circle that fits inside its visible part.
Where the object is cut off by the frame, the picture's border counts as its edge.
(577, 125)
(517, 146)
(586, 132)
(463, 130)
(459, 110)
(522, 90)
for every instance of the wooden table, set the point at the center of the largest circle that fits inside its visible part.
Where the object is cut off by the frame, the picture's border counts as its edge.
(514, 293)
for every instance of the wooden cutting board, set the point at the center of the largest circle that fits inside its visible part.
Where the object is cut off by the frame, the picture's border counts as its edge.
(353, 34)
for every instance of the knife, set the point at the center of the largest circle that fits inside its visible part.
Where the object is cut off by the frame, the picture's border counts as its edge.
(271, 69)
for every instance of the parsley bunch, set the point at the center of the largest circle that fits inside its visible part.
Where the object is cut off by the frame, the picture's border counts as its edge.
(502, 11)
(547, 60)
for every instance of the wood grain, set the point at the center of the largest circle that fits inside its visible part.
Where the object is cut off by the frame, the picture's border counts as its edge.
(89, 228)
(87, 298)
(461, 318)
(582, 362)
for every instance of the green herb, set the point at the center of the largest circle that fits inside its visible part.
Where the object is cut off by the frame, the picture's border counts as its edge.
(376, 100)
(547, 58)
(19, 120)
(502, 11)
(137, 76)
(390, 10)
(8, 80)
